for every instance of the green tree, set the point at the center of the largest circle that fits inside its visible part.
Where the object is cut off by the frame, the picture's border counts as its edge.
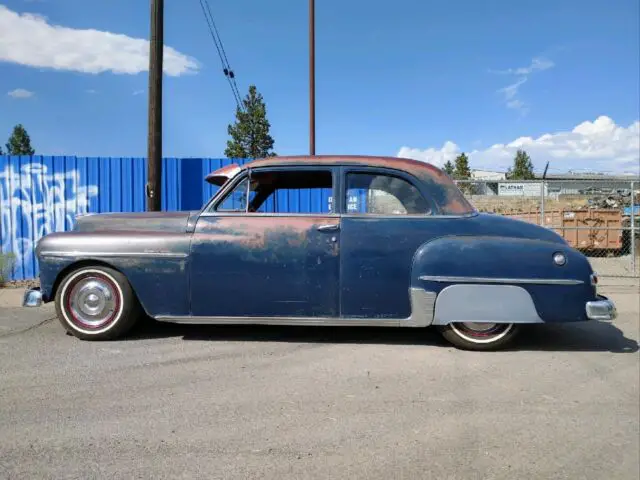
(19, 142)
(522, 167)
(461, 170)
(1, 152)
(448, 168)
(250, 134)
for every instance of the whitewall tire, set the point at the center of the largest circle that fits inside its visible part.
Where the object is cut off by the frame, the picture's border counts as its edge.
(479, 336)
(96, 303)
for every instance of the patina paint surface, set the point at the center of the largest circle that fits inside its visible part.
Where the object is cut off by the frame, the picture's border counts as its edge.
(377, 257)
(223, 174)
(253, 264)
(246, 265)
(150, 249)
(502, 257)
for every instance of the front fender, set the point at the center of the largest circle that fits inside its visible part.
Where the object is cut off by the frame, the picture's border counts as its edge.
(156, 265)
(476, 272)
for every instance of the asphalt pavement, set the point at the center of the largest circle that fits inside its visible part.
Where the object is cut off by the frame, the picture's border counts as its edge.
(176, 401)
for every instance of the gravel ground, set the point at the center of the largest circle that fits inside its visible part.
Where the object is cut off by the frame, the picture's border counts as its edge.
(614, 266)
(246, 402)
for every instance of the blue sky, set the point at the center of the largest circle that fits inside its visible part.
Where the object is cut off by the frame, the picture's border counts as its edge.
(409, 77)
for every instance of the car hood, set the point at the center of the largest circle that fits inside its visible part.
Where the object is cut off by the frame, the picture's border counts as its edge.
(135, 222)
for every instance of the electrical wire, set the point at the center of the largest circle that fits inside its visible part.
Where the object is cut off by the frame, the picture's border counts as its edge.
(228, 72)
(217, 41)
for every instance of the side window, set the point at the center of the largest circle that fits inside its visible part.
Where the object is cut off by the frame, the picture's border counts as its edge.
(383, 195)
(291, 191)
(236, 199)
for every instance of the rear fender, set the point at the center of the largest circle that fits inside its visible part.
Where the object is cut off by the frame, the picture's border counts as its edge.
(503, 280)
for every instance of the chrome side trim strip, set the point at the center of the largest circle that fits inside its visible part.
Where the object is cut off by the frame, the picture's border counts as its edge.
(422, 306)
(531, 281)
(51, 253)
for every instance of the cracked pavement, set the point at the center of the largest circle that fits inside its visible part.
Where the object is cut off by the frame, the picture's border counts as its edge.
(176, 401)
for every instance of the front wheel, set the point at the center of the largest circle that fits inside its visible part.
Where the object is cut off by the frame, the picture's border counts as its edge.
(479, 336)
(96, 303)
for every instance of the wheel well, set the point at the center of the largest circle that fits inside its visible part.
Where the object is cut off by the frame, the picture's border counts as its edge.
(75, 266)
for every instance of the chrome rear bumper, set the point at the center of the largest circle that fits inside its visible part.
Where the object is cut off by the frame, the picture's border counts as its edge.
(602, 309)
(32, 298)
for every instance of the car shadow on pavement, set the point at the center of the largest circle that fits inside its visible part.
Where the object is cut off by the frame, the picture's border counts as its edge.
(592, 336)
(292, 334)
(578, 337)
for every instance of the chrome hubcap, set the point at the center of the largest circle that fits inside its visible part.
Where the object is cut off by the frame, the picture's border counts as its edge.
(480, 327)
(93, 301)
(477, 332)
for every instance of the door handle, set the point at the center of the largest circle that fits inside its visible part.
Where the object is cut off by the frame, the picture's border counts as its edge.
(329, 228)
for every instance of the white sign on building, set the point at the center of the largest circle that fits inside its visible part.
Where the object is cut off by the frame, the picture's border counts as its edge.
(521, 189)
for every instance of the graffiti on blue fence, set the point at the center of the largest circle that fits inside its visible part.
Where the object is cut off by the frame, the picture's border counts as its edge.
(35, 202)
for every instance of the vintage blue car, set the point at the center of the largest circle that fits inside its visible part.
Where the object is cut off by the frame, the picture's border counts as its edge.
(323, 240)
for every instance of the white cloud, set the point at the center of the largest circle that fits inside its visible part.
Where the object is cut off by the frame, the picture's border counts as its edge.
(138, 92)
(20, 93)
(92, 91)
(600, 145)
(30, 40)
(510, 92)
(538, 64)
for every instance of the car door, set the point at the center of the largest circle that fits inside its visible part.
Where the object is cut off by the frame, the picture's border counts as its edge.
(269, 247)
(383, 224)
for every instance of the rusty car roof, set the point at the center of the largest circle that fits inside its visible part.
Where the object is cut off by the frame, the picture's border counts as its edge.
(406, 164)
(420, 169)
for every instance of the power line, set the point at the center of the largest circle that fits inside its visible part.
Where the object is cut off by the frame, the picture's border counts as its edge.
(217, 41)
(228, 71)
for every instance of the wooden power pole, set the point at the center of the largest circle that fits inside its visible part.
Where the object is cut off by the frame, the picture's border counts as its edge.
(154, 158)
(312, 77)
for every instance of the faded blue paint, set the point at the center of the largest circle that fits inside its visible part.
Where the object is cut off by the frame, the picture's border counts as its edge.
(255, 265)
(485, 255)
(377, 256)
(264, 266)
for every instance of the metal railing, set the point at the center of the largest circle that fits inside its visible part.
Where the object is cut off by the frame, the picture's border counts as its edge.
(598, 216)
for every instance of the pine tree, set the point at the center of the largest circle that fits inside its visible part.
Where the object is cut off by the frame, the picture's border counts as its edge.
(19, 142)
(522, 167)
(461, 170)
(250, 134)
(448, 168)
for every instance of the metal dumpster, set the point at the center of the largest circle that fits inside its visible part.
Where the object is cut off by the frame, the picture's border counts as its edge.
(584, 229)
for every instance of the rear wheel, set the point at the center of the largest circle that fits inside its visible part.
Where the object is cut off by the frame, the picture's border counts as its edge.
(96, 303)
(479, 336)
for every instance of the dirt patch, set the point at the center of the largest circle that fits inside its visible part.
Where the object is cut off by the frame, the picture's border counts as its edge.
(20, 284)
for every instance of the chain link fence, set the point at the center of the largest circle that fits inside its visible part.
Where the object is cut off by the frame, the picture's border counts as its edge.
(598, 216)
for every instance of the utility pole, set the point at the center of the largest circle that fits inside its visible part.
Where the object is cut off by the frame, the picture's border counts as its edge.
(154, 158)
(312, 77)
